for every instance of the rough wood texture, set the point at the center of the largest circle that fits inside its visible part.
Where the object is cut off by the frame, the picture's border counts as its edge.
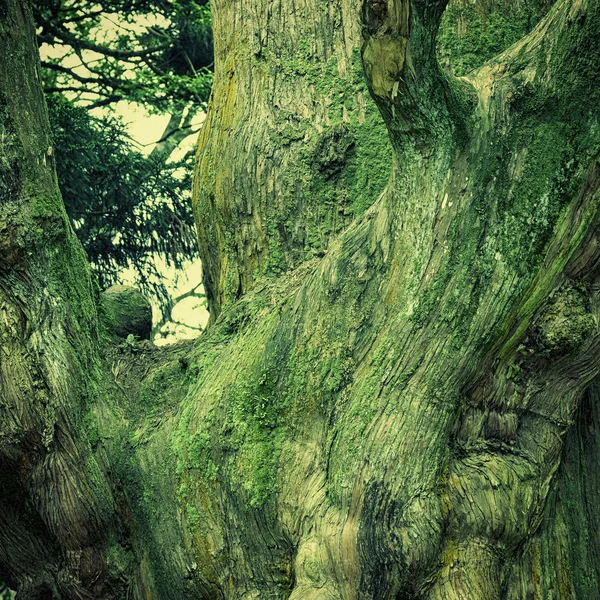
(399, 418)
(293, 148)
(55, 506)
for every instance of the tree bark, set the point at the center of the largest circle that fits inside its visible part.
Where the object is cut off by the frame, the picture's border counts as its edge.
(293, 148)
(56, 506)
(412, 414)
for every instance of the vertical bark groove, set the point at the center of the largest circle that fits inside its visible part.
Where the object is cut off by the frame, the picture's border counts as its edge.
(397, 417)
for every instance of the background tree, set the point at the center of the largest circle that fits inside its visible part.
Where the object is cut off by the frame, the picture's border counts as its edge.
(156, 53)
(129, 210)
(410, 411)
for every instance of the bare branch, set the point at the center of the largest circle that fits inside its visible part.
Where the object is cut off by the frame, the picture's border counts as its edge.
(84, 17)
(77, 42)
(105, 102)
(73, 74)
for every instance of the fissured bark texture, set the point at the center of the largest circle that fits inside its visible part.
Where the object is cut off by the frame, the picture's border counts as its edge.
(408, 411)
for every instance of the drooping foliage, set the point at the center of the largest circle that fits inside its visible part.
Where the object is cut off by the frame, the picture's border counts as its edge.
(129, 210)
(5, 593)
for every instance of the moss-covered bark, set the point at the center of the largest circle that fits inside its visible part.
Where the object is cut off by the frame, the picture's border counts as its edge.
(411, 415)
(56, 506)
(474, 31)
(293, 150)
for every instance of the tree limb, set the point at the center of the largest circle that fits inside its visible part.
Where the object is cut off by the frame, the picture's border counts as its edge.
(80, 43)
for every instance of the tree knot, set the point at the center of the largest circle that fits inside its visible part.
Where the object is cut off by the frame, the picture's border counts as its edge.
(565, 323)
(375, 13)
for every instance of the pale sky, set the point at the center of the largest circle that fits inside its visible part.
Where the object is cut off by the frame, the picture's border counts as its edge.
(146, 129)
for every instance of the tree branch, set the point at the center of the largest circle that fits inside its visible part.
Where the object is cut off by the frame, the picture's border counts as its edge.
(77, 42)
(113, 83)
(187, 325)
(105, 102)
(83, 17)
(399, 57)
(191, 293)
(175, 132)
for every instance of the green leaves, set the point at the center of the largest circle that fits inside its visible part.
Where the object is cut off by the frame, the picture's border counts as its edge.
(127, 209)
(155, 53)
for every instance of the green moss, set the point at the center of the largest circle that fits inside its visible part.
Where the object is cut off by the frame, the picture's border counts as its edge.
(10, 175)
(126, 311)
(565, 324)
(256, 409)
(333, 175)
(473, 33)
(276, 262)
(163, 387)
(101, 492)
(241, 436)
(231, 285)
(199, 456)
(521, 184)
(144, 468)
(91, 428)
(119, 560)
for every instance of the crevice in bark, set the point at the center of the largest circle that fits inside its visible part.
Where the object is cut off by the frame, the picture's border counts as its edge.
(384, 420)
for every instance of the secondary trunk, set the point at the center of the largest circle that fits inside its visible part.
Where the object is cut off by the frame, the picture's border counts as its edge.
(293, 148)
(412, 414)
(56, 507)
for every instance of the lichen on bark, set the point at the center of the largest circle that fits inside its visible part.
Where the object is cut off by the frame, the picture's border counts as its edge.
(408, 411)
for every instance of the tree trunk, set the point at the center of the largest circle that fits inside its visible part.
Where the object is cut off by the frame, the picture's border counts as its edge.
(56, 507)
(406, 409)
(293, 148)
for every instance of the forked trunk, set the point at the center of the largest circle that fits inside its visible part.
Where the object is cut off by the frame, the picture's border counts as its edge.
(404, 408)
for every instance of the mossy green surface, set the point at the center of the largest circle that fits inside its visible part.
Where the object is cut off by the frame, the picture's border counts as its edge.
(336, 173)
(473, 32)
(126, 311)
(565, 324)
(191, 439)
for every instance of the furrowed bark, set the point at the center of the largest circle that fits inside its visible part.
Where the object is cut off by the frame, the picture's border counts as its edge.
(55, 505)
(399, 418)
(462, 276)
(293, 148)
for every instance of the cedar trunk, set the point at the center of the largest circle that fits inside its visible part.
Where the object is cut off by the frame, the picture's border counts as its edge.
(397, 397)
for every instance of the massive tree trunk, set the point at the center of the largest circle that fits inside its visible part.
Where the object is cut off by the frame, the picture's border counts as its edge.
(406, 409)
(293, 148)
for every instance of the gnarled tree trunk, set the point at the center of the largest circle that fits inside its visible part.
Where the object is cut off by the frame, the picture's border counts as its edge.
(56, 507)
(411, 415)
(293, 148)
